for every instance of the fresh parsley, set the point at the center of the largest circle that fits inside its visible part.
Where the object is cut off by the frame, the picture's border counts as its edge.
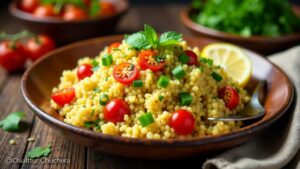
(11, 122)
(149, 39)
(91, 124)
(39, 152)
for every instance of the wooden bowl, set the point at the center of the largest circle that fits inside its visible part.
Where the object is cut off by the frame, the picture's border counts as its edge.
(44, 74)
(262, 44)
(69, 31)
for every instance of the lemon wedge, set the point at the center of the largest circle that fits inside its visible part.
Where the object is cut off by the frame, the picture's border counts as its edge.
(232, 59)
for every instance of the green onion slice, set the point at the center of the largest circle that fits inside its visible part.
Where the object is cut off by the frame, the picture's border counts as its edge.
(216, 76)
(107, 60)
(103, 99)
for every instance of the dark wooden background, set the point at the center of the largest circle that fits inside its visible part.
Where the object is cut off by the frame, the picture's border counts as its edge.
(162, 17)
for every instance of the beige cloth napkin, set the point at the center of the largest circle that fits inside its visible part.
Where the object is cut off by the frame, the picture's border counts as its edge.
(278, 145)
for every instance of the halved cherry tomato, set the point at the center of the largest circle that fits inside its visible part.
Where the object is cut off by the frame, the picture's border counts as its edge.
(72, 12)
(183, 122)
(113, 46)
(193, 59)
(12, 55)
(115, 110)
(38, 46)
(107, 9)
(64, 96)
(230, 96)
(125, 73)
(148, 60)
(44, 11)
(84, 70)
(29, 5)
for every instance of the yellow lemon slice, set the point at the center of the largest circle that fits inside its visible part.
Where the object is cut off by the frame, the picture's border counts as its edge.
(232, 59)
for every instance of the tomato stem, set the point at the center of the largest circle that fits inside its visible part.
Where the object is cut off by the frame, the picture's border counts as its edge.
(17, 36)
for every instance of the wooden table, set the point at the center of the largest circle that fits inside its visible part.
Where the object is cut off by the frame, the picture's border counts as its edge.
(163, 18)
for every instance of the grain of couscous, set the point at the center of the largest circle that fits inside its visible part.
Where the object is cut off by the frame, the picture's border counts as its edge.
(159, 90)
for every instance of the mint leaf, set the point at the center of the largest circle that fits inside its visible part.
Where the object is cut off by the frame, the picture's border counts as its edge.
(169, 38)
(11, 122)
(151, 35)
(138, 41)
(39, 152)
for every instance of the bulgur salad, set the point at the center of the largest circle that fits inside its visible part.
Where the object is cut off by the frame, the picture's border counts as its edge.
(149, 86)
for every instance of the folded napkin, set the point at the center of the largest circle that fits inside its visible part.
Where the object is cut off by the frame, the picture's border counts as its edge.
(277, 147)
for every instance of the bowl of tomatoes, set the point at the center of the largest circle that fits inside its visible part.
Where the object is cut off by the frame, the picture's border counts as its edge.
(16, 49)
(69, 20)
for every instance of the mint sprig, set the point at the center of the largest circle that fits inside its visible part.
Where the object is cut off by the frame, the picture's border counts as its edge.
(11, 122)
(149, 39)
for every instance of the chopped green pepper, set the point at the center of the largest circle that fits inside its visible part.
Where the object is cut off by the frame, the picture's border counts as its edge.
(137, 83)
(163, 81)
(107, 60)
(146, 119)
(183, 58)
(185, 98)
(178, 72)
(216, 76)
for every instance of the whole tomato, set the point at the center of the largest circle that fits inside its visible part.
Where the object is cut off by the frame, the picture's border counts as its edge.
(38, 46)
(107, 9)
(44, 11)
(73, 12)
(29, 5)
(12, 55)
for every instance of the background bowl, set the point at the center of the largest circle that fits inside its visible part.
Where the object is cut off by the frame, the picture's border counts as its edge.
(43, 75)
(69, 31)
(262, 44)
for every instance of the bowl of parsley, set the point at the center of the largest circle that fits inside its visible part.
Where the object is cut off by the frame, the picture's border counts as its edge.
(265, 26)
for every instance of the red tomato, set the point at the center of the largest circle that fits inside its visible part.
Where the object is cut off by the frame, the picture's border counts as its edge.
(84, 70)
(87, 2)
(147, 60)
(72, 12)
(39, 46)
(115, 110)
(107, 9)
(113, 46)
(183, 122)
(12, 55)
(64, 96)
(193, 59)
(125, 73)
(29, 5)
(230, 96)
(44, 11)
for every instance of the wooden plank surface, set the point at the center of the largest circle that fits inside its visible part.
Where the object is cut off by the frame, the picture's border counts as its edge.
(163, 18)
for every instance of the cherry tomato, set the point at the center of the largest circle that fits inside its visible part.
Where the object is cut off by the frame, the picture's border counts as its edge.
(148, 60)
(113, 46)
(84, 70)
(44, 11)
(64, 96)
(115, 110)
(87, 2)
(183, 122)
(72, 12)
(193, 59)
(125, 73)
(230, 96)
(38, 46)
(107, 9)
(29, 5)
(12, 55)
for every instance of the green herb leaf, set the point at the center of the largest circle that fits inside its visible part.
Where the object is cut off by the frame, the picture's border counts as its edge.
(216, 76)
(161, 97)
(151, 35)
(169, 38)
(138, 41)
(94, 8)
(39, 152)
(11, 122)
(148, 39)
